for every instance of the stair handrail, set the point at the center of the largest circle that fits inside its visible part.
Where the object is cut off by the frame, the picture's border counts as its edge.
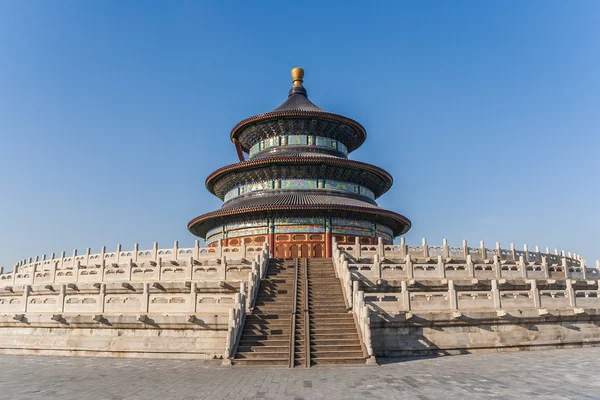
(293, 317)
(340, 263)
(306, 317)
(362, 311)
(237, 317)
(258, 273)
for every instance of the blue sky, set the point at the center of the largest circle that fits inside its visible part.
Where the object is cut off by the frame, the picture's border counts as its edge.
(112, 114)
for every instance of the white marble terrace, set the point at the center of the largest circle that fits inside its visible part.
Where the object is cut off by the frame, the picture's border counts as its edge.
(401, 280)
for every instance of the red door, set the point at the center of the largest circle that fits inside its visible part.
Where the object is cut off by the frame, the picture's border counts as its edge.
(280, 251)
(304, 253)
(294, 251)
(318, 250)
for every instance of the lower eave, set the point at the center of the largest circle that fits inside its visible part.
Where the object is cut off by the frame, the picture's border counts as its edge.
(399, 224)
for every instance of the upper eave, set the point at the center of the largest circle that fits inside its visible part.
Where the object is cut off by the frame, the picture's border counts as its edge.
(352, 144)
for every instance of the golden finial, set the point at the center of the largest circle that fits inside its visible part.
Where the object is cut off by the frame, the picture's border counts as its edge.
(297, 75)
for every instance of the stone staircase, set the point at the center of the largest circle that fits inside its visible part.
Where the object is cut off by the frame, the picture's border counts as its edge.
(265, 337)
(334, 337)
(300, 319)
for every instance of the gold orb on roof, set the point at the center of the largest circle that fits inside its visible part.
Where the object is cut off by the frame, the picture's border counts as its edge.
(297, 76)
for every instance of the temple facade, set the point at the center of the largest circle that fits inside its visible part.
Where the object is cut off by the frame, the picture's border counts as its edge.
(298, 189)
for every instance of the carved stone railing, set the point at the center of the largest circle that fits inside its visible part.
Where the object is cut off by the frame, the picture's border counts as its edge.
(356, 252)
(462, 281)
(195, 264)
(120, 256)
(383, 262)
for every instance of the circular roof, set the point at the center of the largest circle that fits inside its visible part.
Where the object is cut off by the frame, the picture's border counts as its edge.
(298, 106)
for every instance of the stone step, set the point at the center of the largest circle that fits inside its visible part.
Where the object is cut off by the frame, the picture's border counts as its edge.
(329, 341)
(357, 353)
(264, 349)
(259, 326)
(329, 336)
(261, 331)
(332, 328)
(338, 360)
(263, 342)
(262, 355)
(325, 309)
(332, 316)
(263, 361)
(335, 347)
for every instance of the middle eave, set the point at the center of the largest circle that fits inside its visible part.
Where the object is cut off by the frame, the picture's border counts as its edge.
(375, 178)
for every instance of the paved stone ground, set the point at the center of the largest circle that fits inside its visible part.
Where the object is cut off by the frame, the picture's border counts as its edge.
(556, 374)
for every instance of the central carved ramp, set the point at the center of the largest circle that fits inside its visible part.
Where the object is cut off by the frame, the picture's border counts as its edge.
(334, 337)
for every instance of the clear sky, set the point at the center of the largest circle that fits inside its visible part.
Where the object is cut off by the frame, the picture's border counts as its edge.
(113, 113)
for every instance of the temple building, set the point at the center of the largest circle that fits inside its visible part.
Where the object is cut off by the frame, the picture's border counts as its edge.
(298, 189)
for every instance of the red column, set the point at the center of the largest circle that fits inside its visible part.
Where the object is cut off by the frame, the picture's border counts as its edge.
(328, 245)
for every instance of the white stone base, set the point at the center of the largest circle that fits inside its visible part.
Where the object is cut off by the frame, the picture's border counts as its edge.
(434, 334)
(168, 337)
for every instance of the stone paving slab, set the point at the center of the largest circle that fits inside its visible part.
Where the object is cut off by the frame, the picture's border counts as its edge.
(556, 374)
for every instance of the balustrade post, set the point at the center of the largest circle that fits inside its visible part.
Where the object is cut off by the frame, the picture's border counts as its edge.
(25, 297)
(62, 258)
(470, 268)
(497, 266)
(193, 296)
(354, 294)
(513, 252)
(496, 294)
(482, 250)
(87, 256)
(136, 249)
(154, 251)
(377, 265)
(526, 250)
(523, 267)
(357, 249)
(196, 251)
(243, 248)
(405, 295)
(409, 267)
(535, 293)
(452, 296)
(53, 271)
(102, 253)
(499, 250)
(564, 265)
(380, 249)
(74, 257)
(445, 248)
(538, 254)
(118, 258)
(101, 297)
(220, 249)
(465, 248)
(61, 298)
(571, 293)
(424, 248)
(403, 247)
(223, 272)
(146, 297)
(441, 267)
(545, 267)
